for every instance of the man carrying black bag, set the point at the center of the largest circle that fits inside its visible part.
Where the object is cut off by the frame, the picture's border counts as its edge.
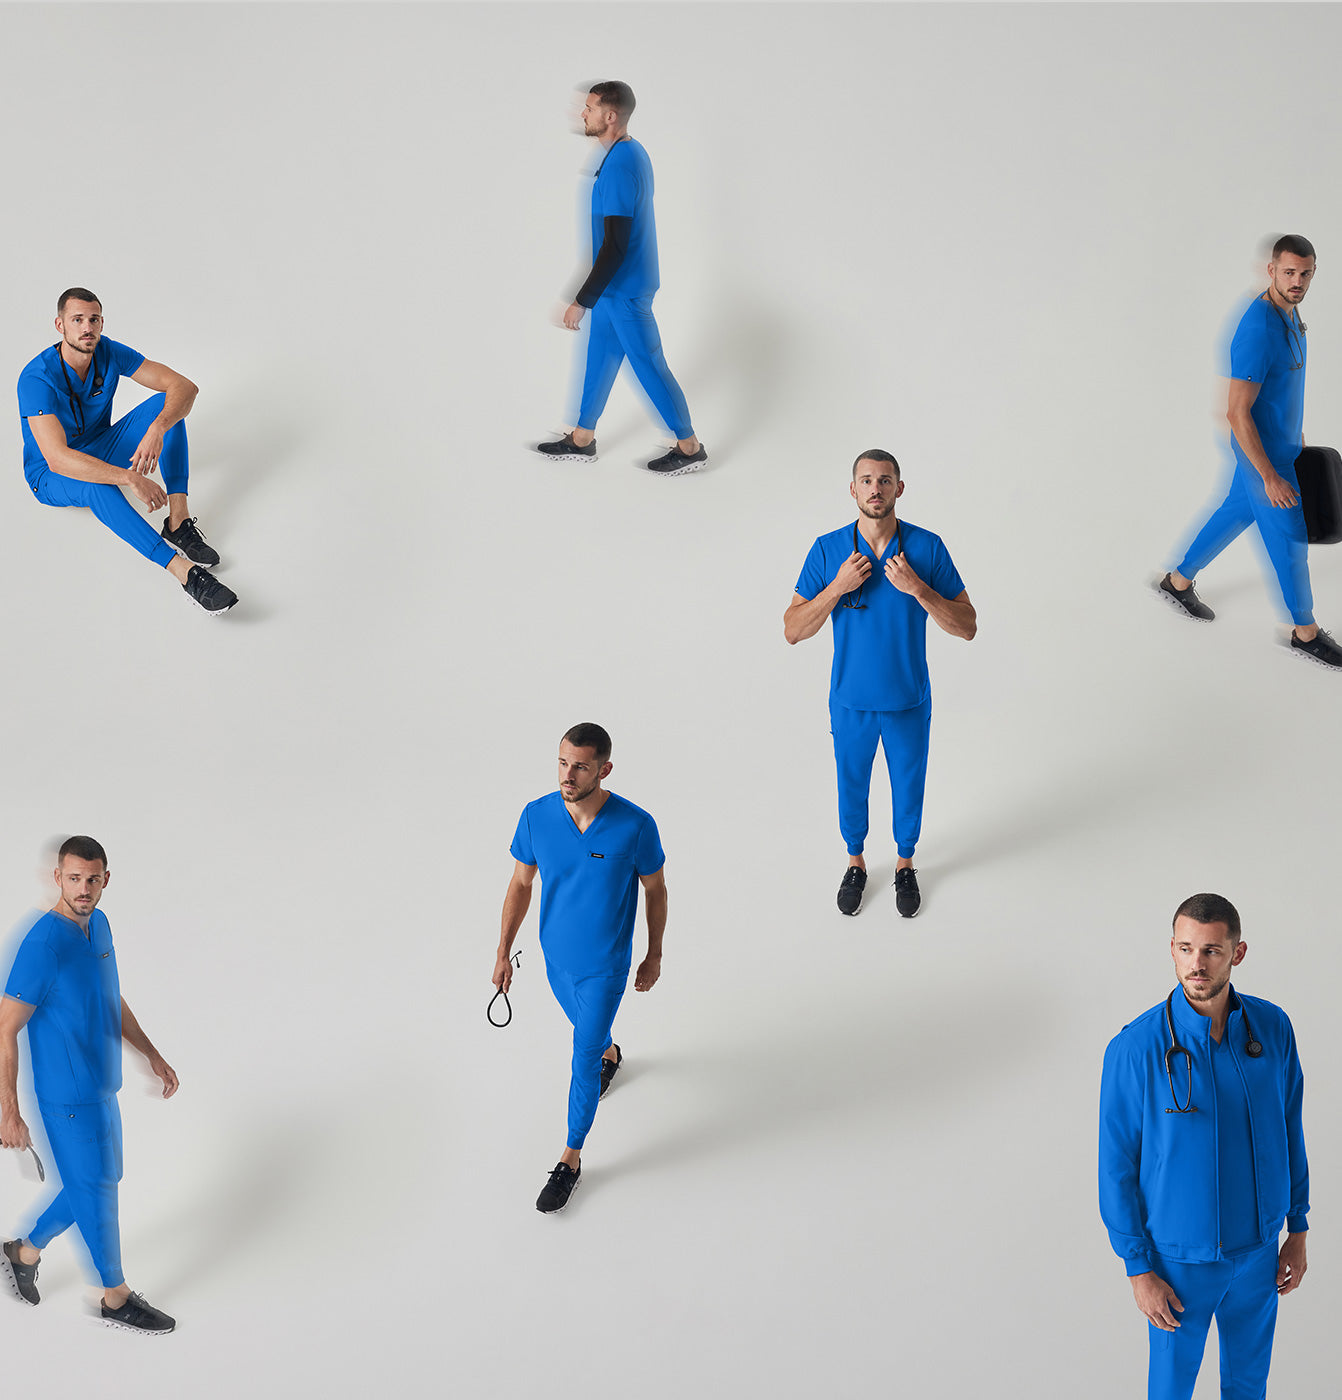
(1266, 414)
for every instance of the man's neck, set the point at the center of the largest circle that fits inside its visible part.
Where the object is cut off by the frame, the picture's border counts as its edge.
(1280, 302)
(584, 812)
(877, 533)
(64, 910)
(612, 138)
(78, 360)
(1217, 1011)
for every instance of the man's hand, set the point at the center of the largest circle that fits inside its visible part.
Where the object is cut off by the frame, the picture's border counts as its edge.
(145, 457)
(1279, 491)
(503, 972)
(853, 572)
(1291, 1264)
(1155, 1298)
(573, 315)
(649, 970)
(900, 572)
(14, 1132)
(166, 1073)
(150, 492)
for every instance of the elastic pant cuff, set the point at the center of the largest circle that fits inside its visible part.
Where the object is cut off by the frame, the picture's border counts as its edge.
(906, 852)
(855, 847)
(162, 554)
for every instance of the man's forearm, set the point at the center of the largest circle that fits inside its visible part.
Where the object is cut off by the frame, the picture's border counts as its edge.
(81, 467)
(515, 905)
(9, 1074)
(1246, 434)
(803, 620)
(655, 909)
(133, 1035)
(957, 618)
(177, 403)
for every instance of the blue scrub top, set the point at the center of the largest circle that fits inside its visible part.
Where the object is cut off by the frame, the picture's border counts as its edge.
(1266, 348)
(880, 651)
(589, 880)
(623, 186)
(42, 389)
(74, 1033)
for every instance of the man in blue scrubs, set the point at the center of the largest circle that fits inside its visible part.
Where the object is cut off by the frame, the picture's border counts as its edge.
(64, 988)
(1202, 1162)
(1267, 418)
(74, 455)
(593, 850)
(879, 580)
(619, 291)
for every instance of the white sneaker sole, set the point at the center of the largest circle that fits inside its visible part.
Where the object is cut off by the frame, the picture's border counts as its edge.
(1306, 656)
(567, 456)
(1176, 605)
(112, 1325)
(676, 471)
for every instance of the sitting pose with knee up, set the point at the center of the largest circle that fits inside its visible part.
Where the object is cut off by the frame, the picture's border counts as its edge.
(592, 849)
(74, 455)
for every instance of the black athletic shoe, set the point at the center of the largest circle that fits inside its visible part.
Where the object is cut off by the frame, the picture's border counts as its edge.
(608, 1068)
(907, 897)
(850, 891)
(189, 541)
(1186, 602)
(22, 1278)
(205, 591)
(678, 463)
(136, 1315)
(1322, 650)
(566, 450)
(558, 1189)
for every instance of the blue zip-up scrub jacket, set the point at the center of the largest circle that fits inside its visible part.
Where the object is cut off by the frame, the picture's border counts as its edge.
(1160, 1172)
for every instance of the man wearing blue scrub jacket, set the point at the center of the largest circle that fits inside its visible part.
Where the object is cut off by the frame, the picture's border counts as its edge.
(64, 988)
(1267, 418)
(74, 455)
(1202, 1162)
(592, 850)
(879, 580)
(619, 291)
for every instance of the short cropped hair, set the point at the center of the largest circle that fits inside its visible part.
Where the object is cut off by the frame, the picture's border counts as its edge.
(876, 454)
(1209, 909)
(590, 736)
(75, 294)
(1295, 244)
(82, 848)
(618, 95)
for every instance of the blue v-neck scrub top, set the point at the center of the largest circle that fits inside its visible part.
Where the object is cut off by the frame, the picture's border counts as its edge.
(589, 880)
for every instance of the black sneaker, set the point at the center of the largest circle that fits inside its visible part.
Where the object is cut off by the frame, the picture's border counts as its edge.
(189, 541)
(205, 591)
(136, 1315)
(1322, 650)
(678, 463)
(558, 1189)
(22, 1278)
(1186, 602)
(566, 450)
(850, 891)
(608, 1068)
(907, 898)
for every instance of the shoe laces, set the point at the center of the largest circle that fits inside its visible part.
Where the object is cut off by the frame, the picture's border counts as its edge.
(853, 874)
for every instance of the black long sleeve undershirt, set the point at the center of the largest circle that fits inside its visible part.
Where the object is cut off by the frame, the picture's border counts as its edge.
(614, 246)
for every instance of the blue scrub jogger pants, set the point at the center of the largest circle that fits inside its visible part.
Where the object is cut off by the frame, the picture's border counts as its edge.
(86, 1144)
(1283, 532)
(620, 328)
(590, 1003)
(114, 445)
(1241, 1294)
(904, 734)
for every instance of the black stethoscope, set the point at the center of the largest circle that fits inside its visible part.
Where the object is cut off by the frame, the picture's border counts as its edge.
(847, 600)
(1295, 329)
(76, 406)
(1253, 1048)
(516, 961)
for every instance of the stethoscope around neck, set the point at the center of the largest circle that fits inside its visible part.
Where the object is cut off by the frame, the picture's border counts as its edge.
(1253, 1048)
(76, 406)
(847, 600)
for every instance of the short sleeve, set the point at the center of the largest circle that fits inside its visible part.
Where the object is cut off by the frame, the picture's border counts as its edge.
(945, 576)
(36, 395)
(1251, 350)
(522, 849)
(649, 858)
(619, 188)
(813, 578)
(126, 360)
(33, 973)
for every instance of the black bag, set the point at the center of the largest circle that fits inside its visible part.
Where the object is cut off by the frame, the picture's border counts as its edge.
(1319, 470)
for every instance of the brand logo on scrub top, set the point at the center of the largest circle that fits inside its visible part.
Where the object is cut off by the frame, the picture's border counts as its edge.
(596, 855)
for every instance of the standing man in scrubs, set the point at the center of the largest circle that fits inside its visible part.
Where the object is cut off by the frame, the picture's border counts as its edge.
(879, 580)
(1267, 420)
(1202, 1161)
(74, 455)
(64, 988)
(592, 850)
(619, 291)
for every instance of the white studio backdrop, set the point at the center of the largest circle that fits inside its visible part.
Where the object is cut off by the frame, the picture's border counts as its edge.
(844, 1156)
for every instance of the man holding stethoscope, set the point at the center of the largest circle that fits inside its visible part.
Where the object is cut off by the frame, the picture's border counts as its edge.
(879, 689)
(1202, 1161)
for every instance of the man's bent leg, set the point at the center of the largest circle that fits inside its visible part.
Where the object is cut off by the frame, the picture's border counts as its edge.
(604, 358)
(1176, 1357)
(1228, 521)
(86, 1145)
(856, 734)
(110, 505)
(905, 737)
(642, 342)
(1245, 1322)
